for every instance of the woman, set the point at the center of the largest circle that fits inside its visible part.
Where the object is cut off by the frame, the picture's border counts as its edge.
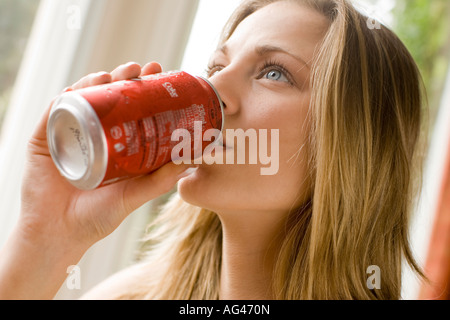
(346, 101)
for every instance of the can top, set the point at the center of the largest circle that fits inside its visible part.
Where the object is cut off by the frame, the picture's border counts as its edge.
(77, 142)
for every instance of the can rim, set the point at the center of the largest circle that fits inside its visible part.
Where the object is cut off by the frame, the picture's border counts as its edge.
(218, 97)
(77, 107)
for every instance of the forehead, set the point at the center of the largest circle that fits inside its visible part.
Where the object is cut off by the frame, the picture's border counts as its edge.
(294, 27)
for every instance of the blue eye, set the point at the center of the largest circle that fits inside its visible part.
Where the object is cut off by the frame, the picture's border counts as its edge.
(276, 75)
(274, 72)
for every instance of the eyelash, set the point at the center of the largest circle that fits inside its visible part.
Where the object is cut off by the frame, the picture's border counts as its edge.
(268, 65)
(273, 64)
(211, 69)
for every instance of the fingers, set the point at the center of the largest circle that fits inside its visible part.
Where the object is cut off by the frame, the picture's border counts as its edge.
(92, 79)
(123, 72)
(141, 190)
(126, 71)
(151, 68)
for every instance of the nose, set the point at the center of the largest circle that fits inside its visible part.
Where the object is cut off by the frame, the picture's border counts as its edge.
(229, 88)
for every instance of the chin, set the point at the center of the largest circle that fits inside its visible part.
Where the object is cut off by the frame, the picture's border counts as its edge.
(212, 187)
(198, 189)
(187, 188)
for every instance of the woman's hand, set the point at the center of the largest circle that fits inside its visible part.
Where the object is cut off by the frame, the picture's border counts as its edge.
(59, 221)
(52, 206)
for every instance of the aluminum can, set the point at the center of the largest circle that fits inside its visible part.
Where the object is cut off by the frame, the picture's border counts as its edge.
(107, 133)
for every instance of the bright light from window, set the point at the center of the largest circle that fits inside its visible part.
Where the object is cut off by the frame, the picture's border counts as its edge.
(211, 17)
(16, 19)
(213, 14)
(378, 9)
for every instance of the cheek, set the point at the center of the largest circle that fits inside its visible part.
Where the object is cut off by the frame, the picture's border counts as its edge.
(231, 187)
(244, 187)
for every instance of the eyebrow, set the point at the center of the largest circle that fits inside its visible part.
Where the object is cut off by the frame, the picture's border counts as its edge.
(265, 49)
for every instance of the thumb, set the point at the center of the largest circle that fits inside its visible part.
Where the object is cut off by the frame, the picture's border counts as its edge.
(143, 189)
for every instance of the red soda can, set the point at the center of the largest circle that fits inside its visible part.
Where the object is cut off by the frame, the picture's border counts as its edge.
(111, 132)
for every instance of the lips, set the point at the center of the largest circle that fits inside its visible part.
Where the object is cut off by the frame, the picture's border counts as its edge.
(221, 142)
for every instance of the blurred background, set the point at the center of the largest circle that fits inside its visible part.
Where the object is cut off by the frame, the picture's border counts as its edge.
(46, 45)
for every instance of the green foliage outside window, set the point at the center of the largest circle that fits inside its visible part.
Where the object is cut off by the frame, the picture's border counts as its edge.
(424, 27)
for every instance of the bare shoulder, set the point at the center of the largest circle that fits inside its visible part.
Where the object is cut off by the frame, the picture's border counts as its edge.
(131, 281)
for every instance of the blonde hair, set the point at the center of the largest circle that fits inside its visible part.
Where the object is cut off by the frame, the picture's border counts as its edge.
(365, 112)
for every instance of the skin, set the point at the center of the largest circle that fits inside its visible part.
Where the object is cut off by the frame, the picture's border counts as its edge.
(55, 216)
(252, 208)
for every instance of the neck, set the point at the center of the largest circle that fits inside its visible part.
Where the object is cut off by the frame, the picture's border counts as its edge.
(248, 257)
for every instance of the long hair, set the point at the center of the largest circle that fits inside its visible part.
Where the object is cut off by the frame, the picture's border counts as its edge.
(365, 159)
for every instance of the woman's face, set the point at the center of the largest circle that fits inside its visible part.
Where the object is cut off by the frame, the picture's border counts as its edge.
(262, 74)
